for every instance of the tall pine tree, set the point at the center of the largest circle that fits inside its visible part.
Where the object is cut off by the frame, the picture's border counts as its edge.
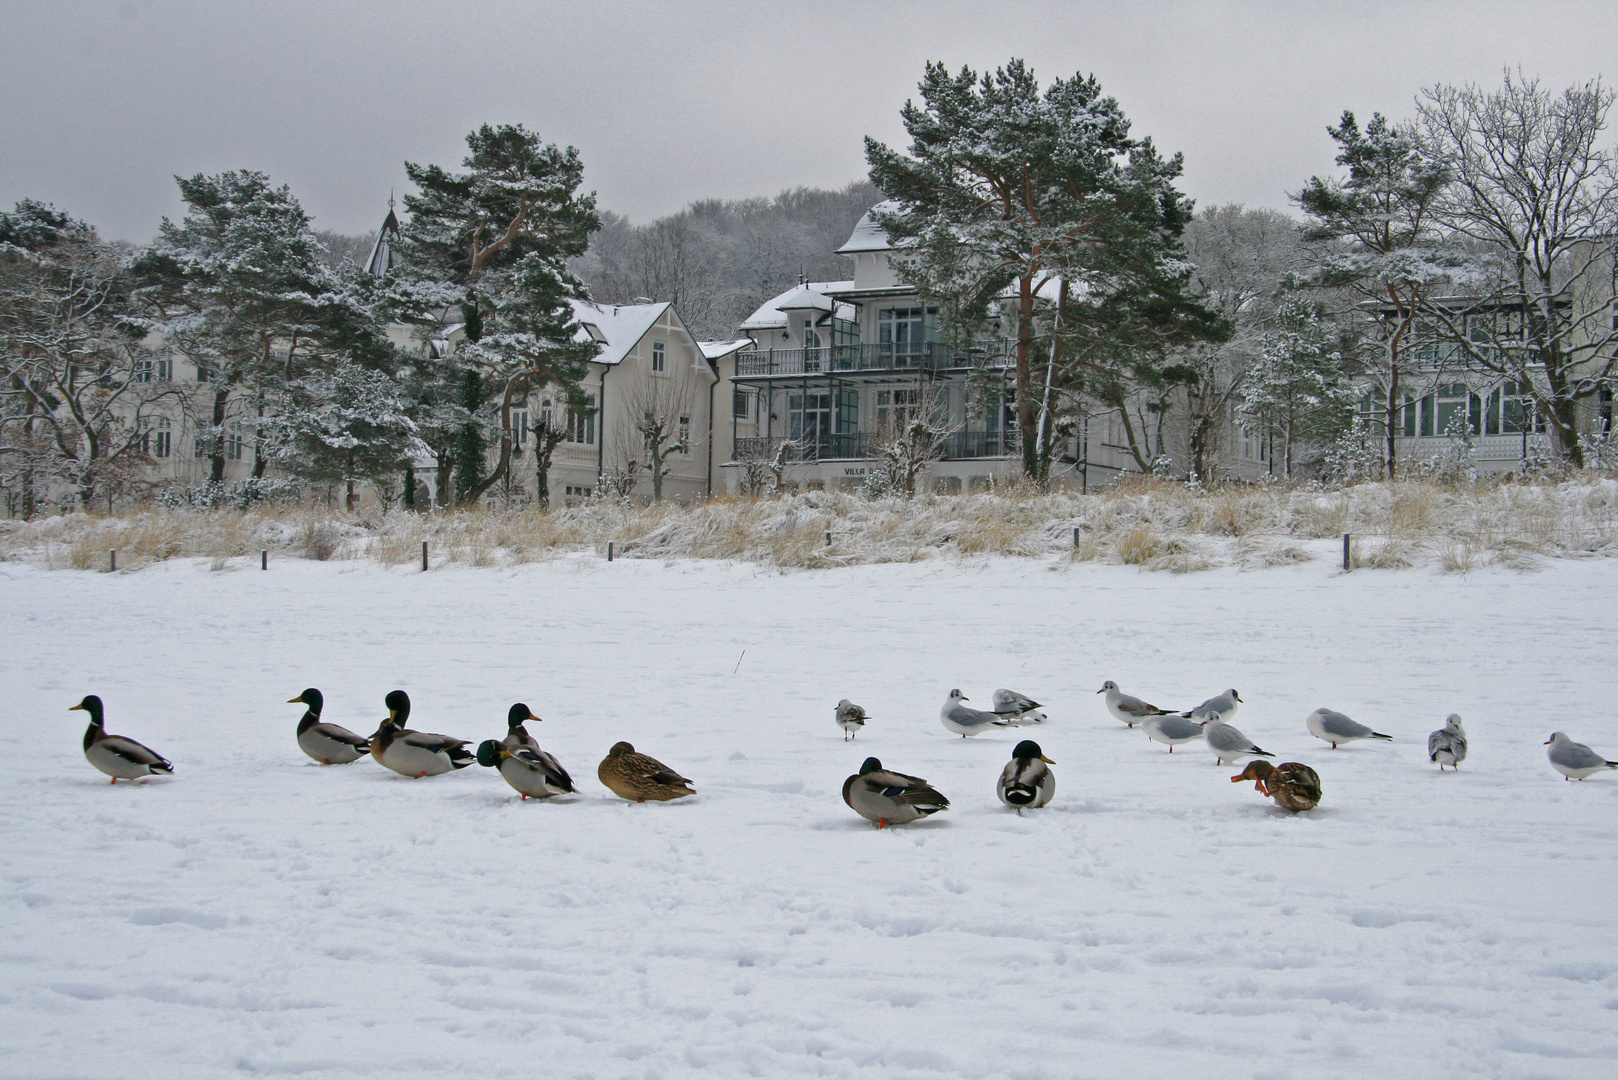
(237, 287)
(488, 248)
(1008, 188)
(1378, 235)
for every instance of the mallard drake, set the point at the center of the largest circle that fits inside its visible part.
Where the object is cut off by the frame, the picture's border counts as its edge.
(1573, 760)
(534, 774)
(1025, 781)
(1128, 708)
(530, 771)
(639, 778)
(517, 737)
(118, 757)
(1332, 726)
(1447, 745)
(1292, 785)
(850, 717)
(329, 744)
(890, 798)
(415, 753)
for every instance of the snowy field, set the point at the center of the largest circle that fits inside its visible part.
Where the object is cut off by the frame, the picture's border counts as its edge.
(259, 914)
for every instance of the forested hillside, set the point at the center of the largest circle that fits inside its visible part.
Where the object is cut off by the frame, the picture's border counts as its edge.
(718, 259)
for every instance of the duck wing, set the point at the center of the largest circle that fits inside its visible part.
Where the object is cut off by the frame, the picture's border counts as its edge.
(453, 749)
(1298, 776)
(652, 769)
(555, 775)
(428, 741)
(133, 752)
(903, 790)
(338, 733)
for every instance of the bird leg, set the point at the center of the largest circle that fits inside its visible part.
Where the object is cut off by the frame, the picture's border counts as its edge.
(882, 823)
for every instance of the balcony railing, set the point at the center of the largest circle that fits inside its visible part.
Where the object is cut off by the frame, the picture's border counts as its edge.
(921, 356)
(856, 446)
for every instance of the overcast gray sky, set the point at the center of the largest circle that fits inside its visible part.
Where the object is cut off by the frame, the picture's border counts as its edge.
(101, 103)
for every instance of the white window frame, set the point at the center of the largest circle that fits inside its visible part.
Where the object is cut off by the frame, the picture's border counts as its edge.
(660, 358)
(581, 426)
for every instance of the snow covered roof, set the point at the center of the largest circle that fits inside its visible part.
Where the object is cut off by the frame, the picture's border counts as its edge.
(772, 314)
(868, 235)
(617, 328)
(713, 350)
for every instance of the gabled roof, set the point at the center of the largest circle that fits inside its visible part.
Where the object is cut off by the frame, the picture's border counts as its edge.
(867, 234)
(618, 328)
(772, 314)
(713, 350)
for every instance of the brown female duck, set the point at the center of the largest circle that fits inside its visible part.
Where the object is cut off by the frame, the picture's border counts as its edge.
(1292, 785)
(640, 778)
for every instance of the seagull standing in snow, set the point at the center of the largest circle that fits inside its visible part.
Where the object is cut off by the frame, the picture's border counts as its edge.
(1447, 745)
(1334, 727)
(1173, 730)
(965, 721)
(1128, 708)
(850, 717)
(1574, 760)
(1228, 744)
(1224, 704)
(1019, 708)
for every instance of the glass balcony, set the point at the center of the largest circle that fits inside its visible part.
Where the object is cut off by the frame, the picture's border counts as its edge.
(918, 356)
(856, 446)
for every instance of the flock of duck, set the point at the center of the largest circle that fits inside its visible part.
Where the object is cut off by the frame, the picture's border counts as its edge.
(876, 793)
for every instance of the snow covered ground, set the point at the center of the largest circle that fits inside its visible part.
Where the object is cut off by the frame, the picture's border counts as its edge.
(261, 914)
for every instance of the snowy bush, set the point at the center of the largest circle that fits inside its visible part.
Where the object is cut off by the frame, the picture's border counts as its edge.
(238, 496)
(1354, 457)
(1600, 451)
(1457, 464)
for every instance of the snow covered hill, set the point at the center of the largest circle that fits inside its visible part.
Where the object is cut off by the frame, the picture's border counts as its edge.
(261, 914)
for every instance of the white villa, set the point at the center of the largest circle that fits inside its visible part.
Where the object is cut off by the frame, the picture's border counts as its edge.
(648, 360)
(835, 364)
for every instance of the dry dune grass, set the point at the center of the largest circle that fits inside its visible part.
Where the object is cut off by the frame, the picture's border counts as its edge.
(1155, 525)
